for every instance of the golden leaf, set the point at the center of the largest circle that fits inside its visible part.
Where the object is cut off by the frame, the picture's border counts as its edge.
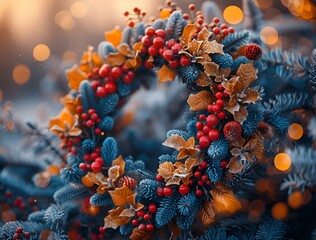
(165, 13)
(203, 80)
(204, 35)
(200, 100)
(71, 103)
(137, 47)
(192, 162)
(86, 181)
(103, 188)
(90, 60)
(115, 59)
(165, 74)
(166, 170)
(211, 68)
(188, 32)
(138, 206)
(113, 173)
(234, 165)
(259, 149)
(128, 212)
(247, 74)
(252, 96)
(124, 49)
(194, 47)
(187, 152)
(235, 151)
(174, 141)
(113, 220)
(119, 195)
(225, 200)
(134, 62)
(173, 181)
(114, 36)
(75, 77)
(208, 214)
(213, 47)
(138, 234)
(119, 161)
(131, 200)
(232, 108)
(241, 115)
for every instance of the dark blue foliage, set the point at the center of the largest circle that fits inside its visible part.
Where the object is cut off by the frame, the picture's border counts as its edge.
(8, 230)
(167, 209)
(107, 105)
(128, 36)
(159, 24)
(181, 133)
(188, 205)
(88, 97)
(106, 124)
(60, 235)
(139, 30)
(166, 158)
(105, 48)
(109, 150)
(126, 229)
(72, 173)
(70, 192)
(214, 170)
(235, 40)
(100, 199)
(218, 149)
(189, 73)
(223, 60)
(184, 222)
(214, 233)
(174, 24)
(255, 115)
(55, 217)
(123, 89)
(281, 124)
(146, 190)
(191, 127)
(131, 165)
(37, 216)
(271, 230)
(238, 61)
(312, 71)
(88, 145)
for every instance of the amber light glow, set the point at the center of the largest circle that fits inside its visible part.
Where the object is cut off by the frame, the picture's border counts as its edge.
(269, 35)
(41, 52)
(233, 14)
(21, 74)
(280, 211)
(78, 10)
(295, 131)
(282, 161)
(295, 200)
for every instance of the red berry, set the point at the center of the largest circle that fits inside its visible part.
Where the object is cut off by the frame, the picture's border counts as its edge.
(220, 87)
(153, 51)
(200, 183)
(152, 208)
(159, 178)
(130, 24)
(136, 10)
(16, 236)
(216, 30)
(91, 111)
(224, 26)
(146, 216)
(143, 50)
(127, 79)
(204, 178)
(26, 235)
(191, 7)
(101, 229)
(199, 134)
(19, 230)
(219, 95)
(211, 120)
(174, 63)
(168, 55)
(167, 191)
(160, 33)
(204, 142)
(231, 30)
(79, 109)
(150, 32)
(94, 117)
(202, 117)
(220, 103)
(226, 93)
(158, 42)
(96, 166)
(83, 167)
(8, 194)
(140, 213)
(184, 61)
(232, 130)
(162, 50)
(141, 227)
(148, 64)
(204, 164)
(94, 84)
(197, 174)
(225, 32)
(214, 134)
(216, 20)
(208, 182)
(101, 92)
(89, 123)
(221, 115)
(200, 168)
(146, 41)
(160, 191)
(97, 131)
(198, 192)
(170, 43)
(99, 160)
(184, 189)
(176, 48)
(110, 87)
(149, 227)
(210, 108)
(199, 125)
(216, 108)
(200, 21)
(223, 163)
(206, 129)
(126, 13)
(117, 72)
(186, 16)
(105, 70)
(94, 155)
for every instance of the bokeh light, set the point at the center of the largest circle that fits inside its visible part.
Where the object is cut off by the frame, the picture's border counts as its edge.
(53, 170)
(265, 4)
(295, 131)
(233, 14)
(8, 216)
(21, 74)
(261, 185)
(257, 205)
(280, 211)
(295, 200)
(269, 35)
(42, 179)
(78, 9)
(65, 20)
(282, 161)
(41, 52)
(69, 56)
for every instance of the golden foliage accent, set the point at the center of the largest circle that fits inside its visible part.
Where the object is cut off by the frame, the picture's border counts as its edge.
(165, 74)
(200, 100)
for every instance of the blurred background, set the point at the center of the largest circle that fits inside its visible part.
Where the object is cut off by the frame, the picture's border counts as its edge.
(40, 39)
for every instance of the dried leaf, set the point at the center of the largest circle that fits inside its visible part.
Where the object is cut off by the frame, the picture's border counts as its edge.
(137, 47)
(203, 80)
(127, 213)
(191, 163)
(259, 149)
(187, 152)
(113, 173)
(119, 195)
(234, 165)
(204, 35)
(213, 47)
(200, 100)
(174, 141)
(188, 32)
(113, 36)
(75, 77)
(252, 96)
(115, 59)
(119, 161)
(174, 181)
(194, 47)
(208, 214)
(166, 170)
(241, 115)
(247, 74)
(165, 74)
(211, 68)
(124, 49)
(232, 108)
(131, 200)
(113, 220)
(138, 234)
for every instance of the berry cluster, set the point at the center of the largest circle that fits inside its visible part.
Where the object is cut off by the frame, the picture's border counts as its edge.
(136, 16)
(206, 126)
(142, 218)
(90, 119)
(70, 143)
(93, 161)
(19, 234)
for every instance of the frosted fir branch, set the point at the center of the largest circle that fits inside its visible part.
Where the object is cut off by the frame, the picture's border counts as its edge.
(8, 230)
(128, 36)
(312, 71)
(253, 18)
(272, 230)
(236, 40)
(20, 159)
(55, 217)
(70, 192)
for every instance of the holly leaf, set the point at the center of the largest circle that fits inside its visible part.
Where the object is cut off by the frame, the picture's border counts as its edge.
(138, 234)
(113, 220)
(203, 80)
(174, 141)
(115, 59)
(234, 165)
(165, 74)
(241, 115)
(194, 47)
(204, 35)
(120, 195)
(191, 162)
(252, 96)
(247, 74)
(211, 68)
(259, 148)
(113, 36)
(166, 170)
(128, 212)
(174, 181)
(75, 77)
(137, 47)
(208, 214)
(124, 49)
(213, 47)
(187, 34)
(200, 100)
(119, 161)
